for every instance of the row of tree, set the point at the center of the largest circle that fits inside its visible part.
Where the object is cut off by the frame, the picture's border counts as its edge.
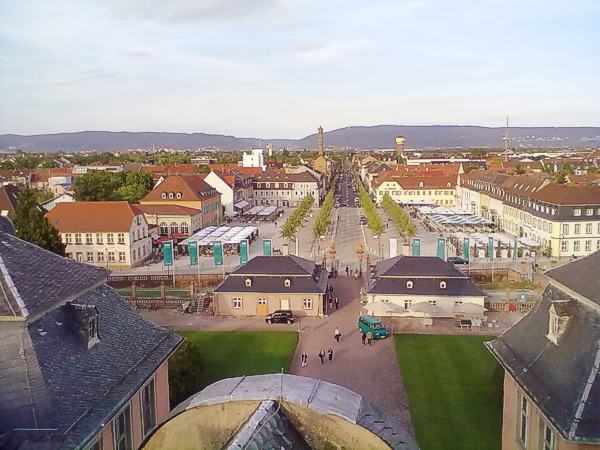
(323, 219)
(97, 185)
(297, 218)
(370, 210)
(399, 217)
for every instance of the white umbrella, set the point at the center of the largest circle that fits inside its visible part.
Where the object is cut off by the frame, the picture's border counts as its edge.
(379, 308)
(425, 307)
(469, 308)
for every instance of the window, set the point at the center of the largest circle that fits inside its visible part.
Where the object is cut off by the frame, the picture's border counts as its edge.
(164, 229)
(409, 285)
(68, 238)
(576, 246)
(179, 195)
(89, 257)
(163, 195)
(92, 328)
(548, 437)
(307, 303)
(77, 238)
(287, 282)
(88, 239)
(184, 229)
(100, 256)
(99, 239)
(407, 303)
(174, 228)
(577, 211)
(524, 407)
(432, 302)
(457, 302)
(111, 256)
(171, 195)
(122, 430)
(589, 212)
(148, 404)
(588, 228)
(237, 302)
(110, 238)
(248, 282)
(121, 238)
(564, 246)
(577, 228)
(442, 285)
(588, 246)
(121, 256)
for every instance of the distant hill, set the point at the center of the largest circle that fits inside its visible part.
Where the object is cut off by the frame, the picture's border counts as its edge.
(381, 136)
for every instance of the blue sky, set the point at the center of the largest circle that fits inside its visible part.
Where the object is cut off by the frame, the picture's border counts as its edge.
(279, 68)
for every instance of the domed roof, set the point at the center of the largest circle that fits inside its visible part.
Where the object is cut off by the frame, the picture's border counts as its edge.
(279, 411)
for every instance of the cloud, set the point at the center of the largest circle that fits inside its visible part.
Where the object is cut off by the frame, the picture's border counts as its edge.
(166, 11)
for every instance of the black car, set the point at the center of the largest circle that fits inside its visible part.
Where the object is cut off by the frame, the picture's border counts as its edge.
(280, 316)
(457, 260)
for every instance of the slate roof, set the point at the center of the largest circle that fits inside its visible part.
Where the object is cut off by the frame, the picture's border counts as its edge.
(268, 274)
(321, 396)
(426, 272)
(555, 377)
(9, 195)
(34, 279)
(582, 276)
(276, 265)
(49, 379)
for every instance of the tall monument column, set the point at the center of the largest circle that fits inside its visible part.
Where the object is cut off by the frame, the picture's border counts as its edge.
(320, 147)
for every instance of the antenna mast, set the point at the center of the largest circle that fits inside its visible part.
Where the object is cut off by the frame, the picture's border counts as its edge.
(506, 140)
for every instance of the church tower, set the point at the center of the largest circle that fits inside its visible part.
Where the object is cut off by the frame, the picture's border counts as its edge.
(320, 146)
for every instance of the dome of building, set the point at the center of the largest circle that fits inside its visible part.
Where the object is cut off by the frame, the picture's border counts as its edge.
(278, 411)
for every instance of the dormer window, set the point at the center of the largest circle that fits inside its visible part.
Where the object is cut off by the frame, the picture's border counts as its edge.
(442, 285)
(171, 195)
(93, 328)
(409, 285)
(163, 195)
(248, 282)
(558, 318)
(179, 195)
(287, 282)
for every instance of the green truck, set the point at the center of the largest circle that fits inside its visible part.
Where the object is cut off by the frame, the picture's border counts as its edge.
(375, 326)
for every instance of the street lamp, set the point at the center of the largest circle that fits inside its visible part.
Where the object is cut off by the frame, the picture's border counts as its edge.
(360, 251)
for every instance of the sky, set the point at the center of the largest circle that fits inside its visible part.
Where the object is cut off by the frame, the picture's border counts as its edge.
(281, 68)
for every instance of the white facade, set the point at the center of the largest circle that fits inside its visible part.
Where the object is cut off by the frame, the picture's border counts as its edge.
(403, 304)
(254, 158)
(224, 189)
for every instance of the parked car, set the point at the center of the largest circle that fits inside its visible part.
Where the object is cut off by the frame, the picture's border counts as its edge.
(280, 316)
(456, 260)
(363, 221)
(375, 326)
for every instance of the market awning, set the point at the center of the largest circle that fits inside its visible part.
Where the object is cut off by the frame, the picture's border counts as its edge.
(241, 204)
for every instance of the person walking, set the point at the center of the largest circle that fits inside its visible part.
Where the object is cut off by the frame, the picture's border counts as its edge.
(364, 338)
(330, 354)
(347, 270)
(337, 334)
(304, 359)
(369, 338)
(337, 302)
(322, 356)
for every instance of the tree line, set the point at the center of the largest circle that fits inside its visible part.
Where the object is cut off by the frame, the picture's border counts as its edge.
(323, 219)
(97, 185)
(399, 217)
(297, 218)
(373, 220)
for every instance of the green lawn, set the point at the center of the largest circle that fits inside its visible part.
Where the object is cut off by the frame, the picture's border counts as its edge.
(454, 391)
(231, 354)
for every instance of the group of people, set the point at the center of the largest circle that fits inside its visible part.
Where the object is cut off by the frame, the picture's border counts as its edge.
(337, 335)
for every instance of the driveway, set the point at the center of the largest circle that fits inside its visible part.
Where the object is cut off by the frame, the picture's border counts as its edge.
(372, 372)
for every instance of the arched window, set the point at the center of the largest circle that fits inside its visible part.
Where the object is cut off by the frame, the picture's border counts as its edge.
(184, 229)
(287, 282)
(248, 282)
(174, 228)
(164, 229)
(442, 285)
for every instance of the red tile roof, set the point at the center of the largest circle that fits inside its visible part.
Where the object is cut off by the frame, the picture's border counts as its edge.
(191, 188)
(87, 217)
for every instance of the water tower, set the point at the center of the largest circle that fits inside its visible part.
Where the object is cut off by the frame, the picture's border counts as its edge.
(400, 140)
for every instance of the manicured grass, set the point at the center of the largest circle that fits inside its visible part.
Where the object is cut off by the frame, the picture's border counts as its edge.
(454, 391)
(510, 285)
(231, 354)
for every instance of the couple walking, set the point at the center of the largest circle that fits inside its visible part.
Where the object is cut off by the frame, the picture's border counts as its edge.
(367, 337)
